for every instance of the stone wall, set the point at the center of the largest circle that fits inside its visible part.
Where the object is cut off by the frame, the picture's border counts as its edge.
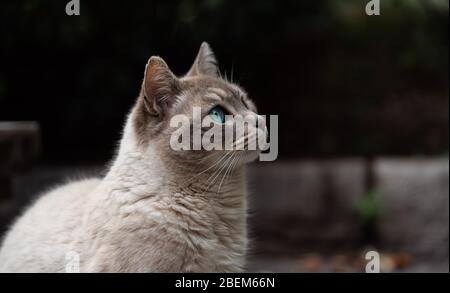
(310, 205)
(415, 194)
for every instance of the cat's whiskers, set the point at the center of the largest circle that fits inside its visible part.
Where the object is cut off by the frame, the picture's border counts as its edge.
(197, 166)
(229, 168)
(250, 139)
(238, 161)
(226, 163)
(222, 165)
(216, 174)
(214, 164)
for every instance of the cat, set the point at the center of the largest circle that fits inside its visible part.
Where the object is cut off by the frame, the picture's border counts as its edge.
(156, 209)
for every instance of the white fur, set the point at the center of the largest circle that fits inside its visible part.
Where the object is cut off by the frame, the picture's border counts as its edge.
(136, 219)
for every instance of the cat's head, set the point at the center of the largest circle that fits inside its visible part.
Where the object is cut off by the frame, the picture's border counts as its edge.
(164, 97)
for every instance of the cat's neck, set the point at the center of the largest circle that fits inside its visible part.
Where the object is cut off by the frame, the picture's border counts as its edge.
(143, 183)
(147, 173)
(142, 172)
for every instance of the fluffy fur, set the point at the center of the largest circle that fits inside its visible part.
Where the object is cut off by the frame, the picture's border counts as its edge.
(156, 210)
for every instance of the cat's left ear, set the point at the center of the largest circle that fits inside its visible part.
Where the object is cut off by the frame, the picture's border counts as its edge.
(205, 63)
(160, 86)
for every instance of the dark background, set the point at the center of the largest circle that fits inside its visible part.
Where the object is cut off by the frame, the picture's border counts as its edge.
(342, 83)
(362, 102)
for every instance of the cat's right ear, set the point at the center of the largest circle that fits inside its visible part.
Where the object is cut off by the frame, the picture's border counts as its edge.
(159, 88)
(205, 63)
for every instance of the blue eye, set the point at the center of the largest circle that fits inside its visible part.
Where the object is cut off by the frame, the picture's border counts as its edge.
(217, 114)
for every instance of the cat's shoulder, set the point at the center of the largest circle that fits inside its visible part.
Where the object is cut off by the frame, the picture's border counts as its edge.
(73, 186)
(66, 194)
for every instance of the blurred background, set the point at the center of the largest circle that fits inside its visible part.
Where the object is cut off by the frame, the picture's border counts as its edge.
(362, 104)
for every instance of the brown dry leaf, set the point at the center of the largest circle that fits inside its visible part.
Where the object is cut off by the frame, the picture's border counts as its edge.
(402, 260)
(387, 263)
(340, 264)
(312, 263)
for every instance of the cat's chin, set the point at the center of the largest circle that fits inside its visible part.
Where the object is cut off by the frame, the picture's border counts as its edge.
(250, 156)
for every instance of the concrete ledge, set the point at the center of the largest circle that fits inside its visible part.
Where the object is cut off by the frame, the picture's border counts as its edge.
(310, 205)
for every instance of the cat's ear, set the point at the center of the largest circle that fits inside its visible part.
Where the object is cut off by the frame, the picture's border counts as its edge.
(205, 63)
(160, 86)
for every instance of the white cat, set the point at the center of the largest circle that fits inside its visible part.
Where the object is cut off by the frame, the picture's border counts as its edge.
(156, 210)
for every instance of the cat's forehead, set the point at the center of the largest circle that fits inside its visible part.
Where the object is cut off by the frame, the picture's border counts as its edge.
(212, 86)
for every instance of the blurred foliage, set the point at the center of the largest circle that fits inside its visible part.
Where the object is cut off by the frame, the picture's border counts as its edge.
(343, 83)
(368, 207)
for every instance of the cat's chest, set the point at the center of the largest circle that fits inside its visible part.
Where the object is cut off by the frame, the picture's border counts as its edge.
(198, 234)
(179, 232)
